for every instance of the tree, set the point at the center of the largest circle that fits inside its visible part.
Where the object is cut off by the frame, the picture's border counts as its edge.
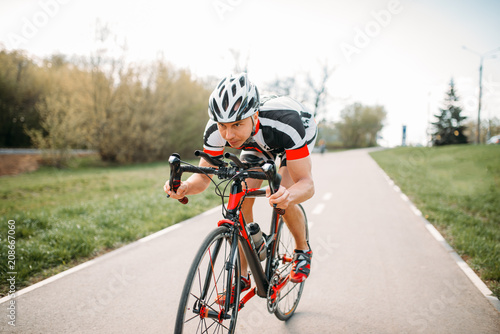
(60, 109)
(449, 128)
(314, 91)
(283, 87)
(489, 128)
(360, 125)
(21, 88)
(319, 89)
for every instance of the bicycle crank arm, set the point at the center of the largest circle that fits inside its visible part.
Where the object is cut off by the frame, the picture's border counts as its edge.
(279, 287)
(247, 297)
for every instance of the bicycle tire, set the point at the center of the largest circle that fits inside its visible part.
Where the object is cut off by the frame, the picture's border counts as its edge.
(199, 300)
(290, 295)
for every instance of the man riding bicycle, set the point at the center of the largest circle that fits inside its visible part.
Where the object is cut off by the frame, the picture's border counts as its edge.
(271, 128)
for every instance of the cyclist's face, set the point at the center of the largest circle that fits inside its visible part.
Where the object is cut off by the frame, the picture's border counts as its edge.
(236, 133)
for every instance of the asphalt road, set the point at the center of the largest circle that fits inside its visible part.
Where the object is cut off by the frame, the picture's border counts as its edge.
(376, 269)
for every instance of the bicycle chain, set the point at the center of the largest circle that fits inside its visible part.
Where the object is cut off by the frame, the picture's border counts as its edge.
(272, 305)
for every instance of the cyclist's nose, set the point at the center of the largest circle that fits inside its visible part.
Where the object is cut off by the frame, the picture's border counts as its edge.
(229, 134)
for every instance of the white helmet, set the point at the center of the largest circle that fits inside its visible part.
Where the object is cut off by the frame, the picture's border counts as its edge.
(229, 92)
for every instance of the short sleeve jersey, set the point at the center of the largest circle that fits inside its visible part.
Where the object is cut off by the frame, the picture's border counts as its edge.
(284, 126)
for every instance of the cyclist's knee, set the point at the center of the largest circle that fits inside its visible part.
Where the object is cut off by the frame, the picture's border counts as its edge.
(294, 213)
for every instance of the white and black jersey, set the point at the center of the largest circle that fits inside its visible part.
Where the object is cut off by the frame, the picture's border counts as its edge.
(284, 126)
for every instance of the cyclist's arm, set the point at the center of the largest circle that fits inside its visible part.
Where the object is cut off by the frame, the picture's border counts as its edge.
(297, 186)
(195, 184)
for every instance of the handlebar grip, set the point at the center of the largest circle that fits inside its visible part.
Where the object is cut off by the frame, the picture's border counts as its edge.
(280, 211)
(175, 175)
(184, 200)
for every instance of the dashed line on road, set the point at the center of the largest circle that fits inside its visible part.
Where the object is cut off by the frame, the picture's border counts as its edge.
(327, 196)
(318, 209)
(473, 277)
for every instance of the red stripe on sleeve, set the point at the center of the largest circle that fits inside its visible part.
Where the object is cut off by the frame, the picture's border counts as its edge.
(298, 153)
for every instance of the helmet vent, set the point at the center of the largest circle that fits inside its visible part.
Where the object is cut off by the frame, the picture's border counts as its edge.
(216, 109)
(225, 101)
(234, 99)
(222, 82)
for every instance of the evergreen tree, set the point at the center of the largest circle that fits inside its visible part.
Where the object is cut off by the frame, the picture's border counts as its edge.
(448, 128)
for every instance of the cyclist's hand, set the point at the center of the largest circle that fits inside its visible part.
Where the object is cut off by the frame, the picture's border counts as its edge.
(181, 191)
(281, 198)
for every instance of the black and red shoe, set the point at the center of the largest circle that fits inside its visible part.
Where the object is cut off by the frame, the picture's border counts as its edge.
(245, 284)
(301, 266)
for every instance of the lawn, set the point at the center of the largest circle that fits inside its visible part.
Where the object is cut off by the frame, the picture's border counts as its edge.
(60, 218)
(457, 188)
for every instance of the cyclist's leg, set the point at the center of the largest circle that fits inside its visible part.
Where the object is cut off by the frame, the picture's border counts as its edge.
(293, 216)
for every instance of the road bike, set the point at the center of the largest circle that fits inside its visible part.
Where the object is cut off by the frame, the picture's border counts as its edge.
(211, 298)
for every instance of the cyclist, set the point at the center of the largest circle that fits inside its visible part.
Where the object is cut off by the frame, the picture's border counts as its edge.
(276, 127)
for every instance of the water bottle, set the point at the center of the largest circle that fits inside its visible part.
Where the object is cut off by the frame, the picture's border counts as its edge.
(258, 240)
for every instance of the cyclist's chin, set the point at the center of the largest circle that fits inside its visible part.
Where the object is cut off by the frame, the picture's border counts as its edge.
(235, 144)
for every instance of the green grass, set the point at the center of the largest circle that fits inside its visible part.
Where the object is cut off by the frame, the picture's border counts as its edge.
(457, 188)
(65, 217)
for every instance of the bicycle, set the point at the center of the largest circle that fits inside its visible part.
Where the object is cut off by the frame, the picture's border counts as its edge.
(215, 270)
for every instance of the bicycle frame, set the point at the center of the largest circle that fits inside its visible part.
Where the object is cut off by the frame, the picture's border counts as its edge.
(267, 283)
(262, 277)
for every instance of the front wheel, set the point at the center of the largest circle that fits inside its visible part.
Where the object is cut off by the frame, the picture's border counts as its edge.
(289, 297)
(214, 273)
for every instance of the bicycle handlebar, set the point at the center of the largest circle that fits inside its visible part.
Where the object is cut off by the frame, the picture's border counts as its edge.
(222, 171)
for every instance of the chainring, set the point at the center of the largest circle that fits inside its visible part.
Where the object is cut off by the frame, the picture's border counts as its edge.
(272, 304)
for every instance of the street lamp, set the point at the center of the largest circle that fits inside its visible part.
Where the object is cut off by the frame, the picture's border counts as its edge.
(482, 57)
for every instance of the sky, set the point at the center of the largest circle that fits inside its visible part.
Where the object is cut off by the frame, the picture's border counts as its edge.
(397, 53)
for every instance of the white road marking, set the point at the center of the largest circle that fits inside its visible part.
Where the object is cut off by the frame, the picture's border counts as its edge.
(89, 263)
(49, 280)
(213, 210)
(318, 209)
(415, 210)
(327, 196)
(160, 233)
(474, 278)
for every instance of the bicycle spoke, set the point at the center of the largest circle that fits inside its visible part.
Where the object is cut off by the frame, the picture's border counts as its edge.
(291, 293)
(207, 280)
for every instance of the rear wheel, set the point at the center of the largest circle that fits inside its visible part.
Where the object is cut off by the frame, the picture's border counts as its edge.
(212, 274)
(289, 297)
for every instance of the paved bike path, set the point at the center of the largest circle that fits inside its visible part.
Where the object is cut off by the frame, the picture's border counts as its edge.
(376, 269)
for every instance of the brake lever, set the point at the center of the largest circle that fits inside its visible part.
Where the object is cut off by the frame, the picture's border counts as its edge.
(235, 159)
(274, 179)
